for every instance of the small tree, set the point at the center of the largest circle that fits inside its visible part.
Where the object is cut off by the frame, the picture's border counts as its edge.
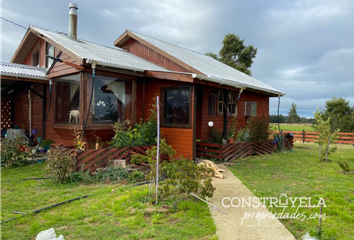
(293, 117)
(326, 137)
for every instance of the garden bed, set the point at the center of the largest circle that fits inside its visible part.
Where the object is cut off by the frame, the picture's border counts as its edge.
(230, 151)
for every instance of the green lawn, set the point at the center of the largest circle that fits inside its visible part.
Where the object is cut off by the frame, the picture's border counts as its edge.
(293, 127)
(299, 174)
(112, 211)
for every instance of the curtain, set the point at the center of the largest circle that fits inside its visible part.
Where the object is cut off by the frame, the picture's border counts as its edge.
(118, 88)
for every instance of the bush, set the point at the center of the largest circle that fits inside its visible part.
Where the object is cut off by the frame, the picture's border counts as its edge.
(243, 135)
(141, 134)
(187, 177)
(113, 174)
(181, 175)
(214, 136)
(60, 164)
(11, 153)
(259, 129)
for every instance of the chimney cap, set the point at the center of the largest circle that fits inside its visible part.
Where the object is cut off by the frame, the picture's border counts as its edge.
(73, 5)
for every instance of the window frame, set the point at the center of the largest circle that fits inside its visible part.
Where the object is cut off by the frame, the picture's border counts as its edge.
(163, 95)
(221, 93)
(56, 124)
(46, 65)
(35, 51)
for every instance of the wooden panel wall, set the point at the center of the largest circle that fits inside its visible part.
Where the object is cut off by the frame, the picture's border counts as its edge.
(147, 53)
(60, 68)
(247, 96)
(29, 59)
(181, 139)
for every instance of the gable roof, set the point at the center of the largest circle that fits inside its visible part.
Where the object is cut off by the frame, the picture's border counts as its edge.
(205, 67)
(88, 52)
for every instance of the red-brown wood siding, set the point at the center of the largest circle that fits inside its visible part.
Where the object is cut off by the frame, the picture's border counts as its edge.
(181, 139)
(141, 50)
(247, 96)
(29, 58)
(61, 68)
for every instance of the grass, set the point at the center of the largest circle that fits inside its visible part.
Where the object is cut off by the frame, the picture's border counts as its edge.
(300, 174)
(293, 127)
(112, 211)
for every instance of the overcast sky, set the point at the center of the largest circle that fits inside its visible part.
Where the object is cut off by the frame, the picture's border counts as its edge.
(305, 48)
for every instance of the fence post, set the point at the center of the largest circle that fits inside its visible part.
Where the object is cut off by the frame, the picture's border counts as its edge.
(303, 136)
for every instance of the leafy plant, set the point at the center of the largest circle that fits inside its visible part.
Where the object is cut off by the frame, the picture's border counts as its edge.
(47, 142)
(136, 176)
(78, 141)
(181, 175)
(325, 135)
(139, 135)
(113, 174)
(243, 135)
(12, 154)
(232, 128)
(60, 164)
(214, 136)
(259, 129)
(184, 176)
(344, 166)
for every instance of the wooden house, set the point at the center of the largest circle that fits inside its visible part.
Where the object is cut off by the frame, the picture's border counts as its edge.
(194, 88)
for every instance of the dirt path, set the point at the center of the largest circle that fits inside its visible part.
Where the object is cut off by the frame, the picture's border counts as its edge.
(229, 225)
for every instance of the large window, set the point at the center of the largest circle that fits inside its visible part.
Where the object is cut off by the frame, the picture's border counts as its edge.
(67, 109)
(111, 100)
(176, 106)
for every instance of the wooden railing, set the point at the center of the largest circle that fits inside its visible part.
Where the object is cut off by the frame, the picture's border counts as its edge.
(303, 136)
(227, 152)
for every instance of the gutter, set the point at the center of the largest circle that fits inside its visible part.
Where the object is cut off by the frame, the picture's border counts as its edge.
(24, 76)
(103, 64)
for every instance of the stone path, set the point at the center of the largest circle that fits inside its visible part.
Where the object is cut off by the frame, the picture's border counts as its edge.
(229, 225)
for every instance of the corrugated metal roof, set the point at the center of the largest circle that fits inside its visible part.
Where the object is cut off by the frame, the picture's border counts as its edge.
(209, 66)
(99, 53)
(21, 70)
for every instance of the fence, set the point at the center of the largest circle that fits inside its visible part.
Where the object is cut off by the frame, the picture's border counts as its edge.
(303, 136)
(92, 159)
(227, 152)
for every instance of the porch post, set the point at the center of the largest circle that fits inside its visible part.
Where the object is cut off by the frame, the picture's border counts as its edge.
(44, 103)
(226, 107)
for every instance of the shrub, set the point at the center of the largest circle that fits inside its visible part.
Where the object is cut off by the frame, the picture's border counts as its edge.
(187, 177)
(141, 134)
(214, 136)
(243, 135)
(181, 175)
(232, 128)
(79, 144)
(11, 153)
(113, 174)
(259, 129)
(325, 134)
(47, 142)
(60, 164)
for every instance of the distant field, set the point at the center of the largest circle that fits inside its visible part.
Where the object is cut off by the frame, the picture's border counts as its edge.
(294, 127)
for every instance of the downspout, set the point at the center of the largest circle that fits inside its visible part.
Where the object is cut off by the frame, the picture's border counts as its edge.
(29, 112)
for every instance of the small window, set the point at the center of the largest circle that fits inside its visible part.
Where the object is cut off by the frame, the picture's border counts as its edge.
(35, 57)
(49, 50)
(250, 109)
(67, 109)
(232, 107)
(176, 106)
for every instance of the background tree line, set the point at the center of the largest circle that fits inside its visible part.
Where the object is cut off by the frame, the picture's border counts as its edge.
(340, 111)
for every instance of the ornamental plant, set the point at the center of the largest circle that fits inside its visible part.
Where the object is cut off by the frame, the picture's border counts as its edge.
(259, 128)
(326, 138)
(60, 165)
(12, 152)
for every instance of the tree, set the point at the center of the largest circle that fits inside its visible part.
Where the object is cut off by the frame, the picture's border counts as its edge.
(235, 54)
(292, 116)
(325, 136)
(341, 114)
